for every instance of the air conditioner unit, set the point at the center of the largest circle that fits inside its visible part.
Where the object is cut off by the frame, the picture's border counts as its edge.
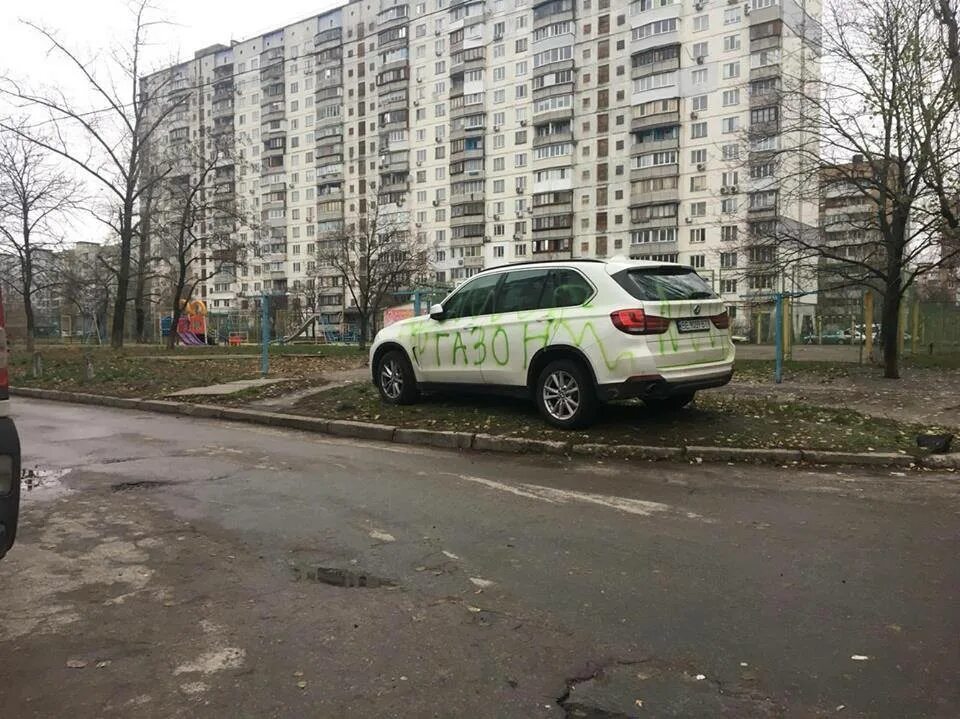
(694, 116)
(439, 140)
(496, 218)
(699, 59)
(701, 166)
(734, 189)
(688, 220)
(496, 128)
(746, 9)
(460, 262)
(518, 237)
(419, 79)
(519, 214)
(486, 238)
(419, 164)
(435, 203)
(437, 33)
(723, 190)
(523, 123)
(519, 189)
(416, 103)
(439, 53)
(417, 224)
(698, 5)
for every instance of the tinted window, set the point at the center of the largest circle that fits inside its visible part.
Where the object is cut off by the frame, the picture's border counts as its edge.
(664, 283)
(565, 288)
(474, 298)
(520, 290)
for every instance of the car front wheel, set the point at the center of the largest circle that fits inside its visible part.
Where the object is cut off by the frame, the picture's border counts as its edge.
(565, 395)
(395, 379)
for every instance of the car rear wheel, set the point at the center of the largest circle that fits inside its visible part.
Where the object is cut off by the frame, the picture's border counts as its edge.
(565, 395)
(395, 379)
(670, 404)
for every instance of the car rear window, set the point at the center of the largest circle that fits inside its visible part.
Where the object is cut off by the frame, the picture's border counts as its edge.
(664, 283)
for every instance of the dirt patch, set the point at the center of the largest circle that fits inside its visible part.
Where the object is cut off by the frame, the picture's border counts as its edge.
(716, 419)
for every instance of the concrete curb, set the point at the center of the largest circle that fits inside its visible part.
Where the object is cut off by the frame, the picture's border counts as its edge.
(496, 443)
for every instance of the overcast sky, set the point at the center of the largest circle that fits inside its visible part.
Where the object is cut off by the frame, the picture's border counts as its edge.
(91, 26)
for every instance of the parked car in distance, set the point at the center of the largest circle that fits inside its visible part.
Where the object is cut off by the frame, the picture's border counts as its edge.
(568, 334)
(829, 337)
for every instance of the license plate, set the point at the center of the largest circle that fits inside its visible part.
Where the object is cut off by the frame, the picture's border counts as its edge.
(697, 325)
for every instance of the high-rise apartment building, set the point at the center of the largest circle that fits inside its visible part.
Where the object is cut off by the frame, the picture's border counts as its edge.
(508, 130)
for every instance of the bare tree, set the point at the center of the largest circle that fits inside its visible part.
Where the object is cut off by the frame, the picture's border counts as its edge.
(197, 193)
(88, 285)
(35, 197)
(116, 131)
(374, 257)
(884, 117)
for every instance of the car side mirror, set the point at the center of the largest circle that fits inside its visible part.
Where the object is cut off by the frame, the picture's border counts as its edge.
(436, 312)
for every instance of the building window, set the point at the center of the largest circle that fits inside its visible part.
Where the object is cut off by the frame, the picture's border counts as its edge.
(730, 124)
(698, 209)
(697, 77)
(701, 49)
(731, 70)
(728, 260)
(731, 16)
(728, 233)
(701, 23)
(728, 206)
(730, 178)
(698, 157)
(698, 129)
(728, 287)
(698, 234)
(698, 183)
(698, 261)
(731, 151)
(731, 43)
(699, 103)
(731, 97)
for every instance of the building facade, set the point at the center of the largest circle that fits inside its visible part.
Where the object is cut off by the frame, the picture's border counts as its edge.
(503, 131)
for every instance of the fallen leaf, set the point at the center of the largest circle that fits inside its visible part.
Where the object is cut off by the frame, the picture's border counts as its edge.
(302, 685)
(76, 663)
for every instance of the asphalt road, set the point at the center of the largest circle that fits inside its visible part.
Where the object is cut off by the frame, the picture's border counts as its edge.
(172, 567)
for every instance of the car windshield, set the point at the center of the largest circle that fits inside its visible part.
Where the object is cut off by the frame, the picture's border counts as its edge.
(664, 283)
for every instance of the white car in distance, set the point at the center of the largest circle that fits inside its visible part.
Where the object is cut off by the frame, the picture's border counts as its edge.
(568, 334)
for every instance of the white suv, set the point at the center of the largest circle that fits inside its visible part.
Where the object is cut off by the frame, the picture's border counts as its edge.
(569, 334)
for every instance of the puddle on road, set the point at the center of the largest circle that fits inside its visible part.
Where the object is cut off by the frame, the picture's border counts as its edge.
(42, 483)
(337, 577)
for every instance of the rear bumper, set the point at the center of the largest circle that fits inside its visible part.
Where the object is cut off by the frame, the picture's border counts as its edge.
(656, 387)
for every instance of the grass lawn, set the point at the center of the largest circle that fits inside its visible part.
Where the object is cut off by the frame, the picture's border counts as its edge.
(141, 371)
(717, 419)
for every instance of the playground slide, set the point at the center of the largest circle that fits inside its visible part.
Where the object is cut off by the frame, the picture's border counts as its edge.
(189, 338)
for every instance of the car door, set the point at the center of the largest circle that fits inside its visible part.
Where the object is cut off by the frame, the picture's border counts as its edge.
(452, 349)
(9, 452)
(517, 329)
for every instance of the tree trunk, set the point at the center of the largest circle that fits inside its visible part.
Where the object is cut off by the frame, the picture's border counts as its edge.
(27, 277)
(889, 330)
(363, 330)
(117, 332)
(140, 292)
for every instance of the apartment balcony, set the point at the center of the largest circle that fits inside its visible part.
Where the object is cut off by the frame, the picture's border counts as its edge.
(553, 233)
(402, 165)
(395, 99)
(271, 74)
(655, 197)
(642, 148)
(765, 99)
(658, 119)
(761, 213)
(475, 261)
(552, 68)
(465, 154)
(221, 108)
(471, 241)
(759, 16)
(554, 252)
(272, 111)
(559, 208)
(327, 38)
(222, 128)
(223, 72)
(764, 129)
(463, 132)
(539, 141)
(637, 249)
(652, 68)
(542, 118)
(393, 183)
(649, 173)
(463, 64)
(767, 71)
(467, 220)
(223, 91)
(544, 20)
(393, 16)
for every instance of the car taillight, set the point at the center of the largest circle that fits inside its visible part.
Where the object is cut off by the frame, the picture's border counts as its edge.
(638, 322)
(721, 321)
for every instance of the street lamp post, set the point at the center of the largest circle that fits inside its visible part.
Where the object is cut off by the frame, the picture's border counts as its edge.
(264, 334)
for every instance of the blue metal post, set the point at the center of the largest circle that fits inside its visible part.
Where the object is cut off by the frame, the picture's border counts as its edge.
(264, 334)
(416, 303)
(778, 338)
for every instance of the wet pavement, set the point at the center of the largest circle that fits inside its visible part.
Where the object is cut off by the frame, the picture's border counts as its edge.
(173, 567)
